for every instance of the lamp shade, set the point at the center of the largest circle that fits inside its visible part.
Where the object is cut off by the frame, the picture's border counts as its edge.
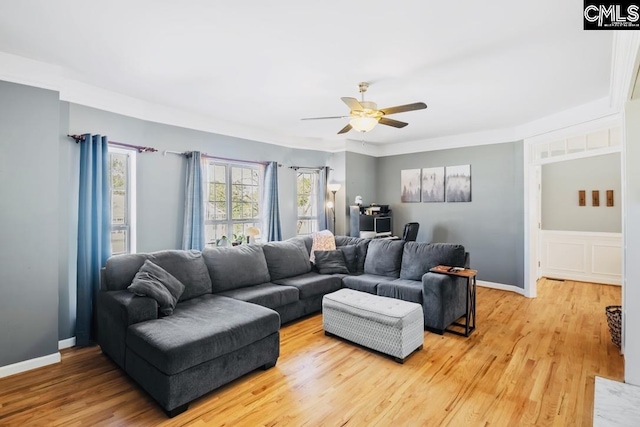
(334, 187)
(252, 231)
(330, 205)
(363, 124)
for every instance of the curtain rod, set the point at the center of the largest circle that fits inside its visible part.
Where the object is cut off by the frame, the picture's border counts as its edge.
(141, 149)
(183, 153)
(313, 168)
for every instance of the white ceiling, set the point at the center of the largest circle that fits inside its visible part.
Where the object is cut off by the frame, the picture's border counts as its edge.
(261, 65)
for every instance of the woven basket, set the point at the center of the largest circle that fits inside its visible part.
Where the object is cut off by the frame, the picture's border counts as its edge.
(614, 320)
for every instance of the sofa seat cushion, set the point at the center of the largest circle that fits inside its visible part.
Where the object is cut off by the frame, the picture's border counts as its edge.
(236, 267)
(365, 282)
(384, 257)
(286, 259)
(406, 290)
(312, 284)
(419, 258)
(200, 330)
(265, 294)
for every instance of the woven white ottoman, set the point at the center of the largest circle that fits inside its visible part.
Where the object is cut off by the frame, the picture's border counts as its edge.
(388, 325)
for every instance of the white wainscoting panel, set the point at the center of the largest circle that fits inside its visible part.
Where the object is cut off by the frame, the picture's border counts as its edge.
(583, 256)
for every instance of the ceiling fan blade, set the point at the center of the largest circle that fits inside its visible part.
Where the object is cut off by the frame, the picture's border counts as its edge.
(345, 129)
(352, 103)
(391, 122)
(323, 118)
(403, 108)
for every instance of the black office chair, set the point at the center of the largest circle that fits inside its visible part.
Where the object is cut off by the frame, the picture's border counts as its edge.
(410, 232)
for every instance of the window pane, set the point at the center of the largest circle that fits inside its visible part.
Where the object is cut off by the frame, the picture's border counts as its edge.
(217, 173)
(221, 211)
(246, 211)
(304, 205)
(247, 194)
(118, 170)
(213, 232)
(307, 226)
(236, 175)
(307, 203)
(220, 192)
(118, 207)
(118, 242)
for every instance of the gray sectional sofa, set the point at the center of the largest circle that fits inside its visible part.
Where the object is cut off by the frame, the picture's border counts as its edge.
(226, 322)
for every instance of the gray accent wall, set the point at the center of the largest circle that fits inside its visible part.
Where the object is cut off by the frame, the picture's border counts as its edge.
(29, 123)
(160, 192)
(68, 185)
(360, 180)
(491, 226)
(561, 182)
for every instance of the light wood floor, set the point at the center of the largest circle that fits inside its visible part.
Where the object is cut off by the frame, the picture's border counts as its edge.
(530, 362)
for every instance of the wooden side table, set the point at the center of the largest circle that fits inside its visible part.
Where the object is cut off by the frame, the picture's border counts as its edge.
(470, 316)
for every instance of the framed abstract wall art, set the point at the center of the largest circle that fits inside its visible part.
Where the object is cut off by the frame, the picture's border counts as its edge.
(458, 183)
(410, 185)
(433, 184)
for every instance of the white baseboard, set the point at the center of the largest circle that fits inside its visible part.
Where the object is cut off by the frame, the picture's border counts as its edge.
(28, 365)
(501, 286)
(69, 342)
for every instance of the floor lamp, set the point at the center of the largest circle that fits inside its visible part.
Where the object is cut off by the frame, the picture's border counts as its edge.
(332, 204)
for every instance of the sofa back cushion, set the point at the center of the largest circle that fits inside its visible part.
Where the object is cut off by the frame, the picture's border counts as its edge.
(286, 259)
(120, 270)
(384, 257)
(236, 267)
(418, 258)
(306, 240)
(346, 240)
(186, 266)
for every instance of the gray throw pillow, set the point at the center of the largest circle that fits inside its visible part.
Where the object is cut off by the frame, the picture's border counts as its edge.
(350, 253)
(330, 262)
(155, 282)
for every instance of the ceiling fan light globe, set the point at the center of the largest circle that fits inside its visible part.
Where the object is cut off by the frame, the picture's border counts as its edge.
(363, 124)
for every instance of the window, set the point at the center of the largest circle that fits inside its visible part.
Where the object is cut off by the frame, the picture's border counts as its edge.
(307, 193)
(122, 200)
(233, 201)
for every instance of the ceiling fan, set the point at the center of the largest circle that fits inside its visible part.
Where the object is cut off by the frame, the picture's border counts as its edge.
(364, 115)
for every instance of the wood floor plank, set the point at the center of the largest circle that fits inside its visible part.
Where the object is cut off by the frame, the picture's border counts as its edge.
(530, 362)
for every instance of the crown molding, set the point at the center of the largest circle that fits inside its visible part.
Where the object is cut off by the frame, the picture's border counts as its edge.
(624, 65)
(17, 69)
(35, 73)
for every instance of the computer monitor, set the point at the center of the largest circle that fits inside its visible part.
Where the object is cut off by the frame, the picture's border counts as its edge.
(382, 226)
